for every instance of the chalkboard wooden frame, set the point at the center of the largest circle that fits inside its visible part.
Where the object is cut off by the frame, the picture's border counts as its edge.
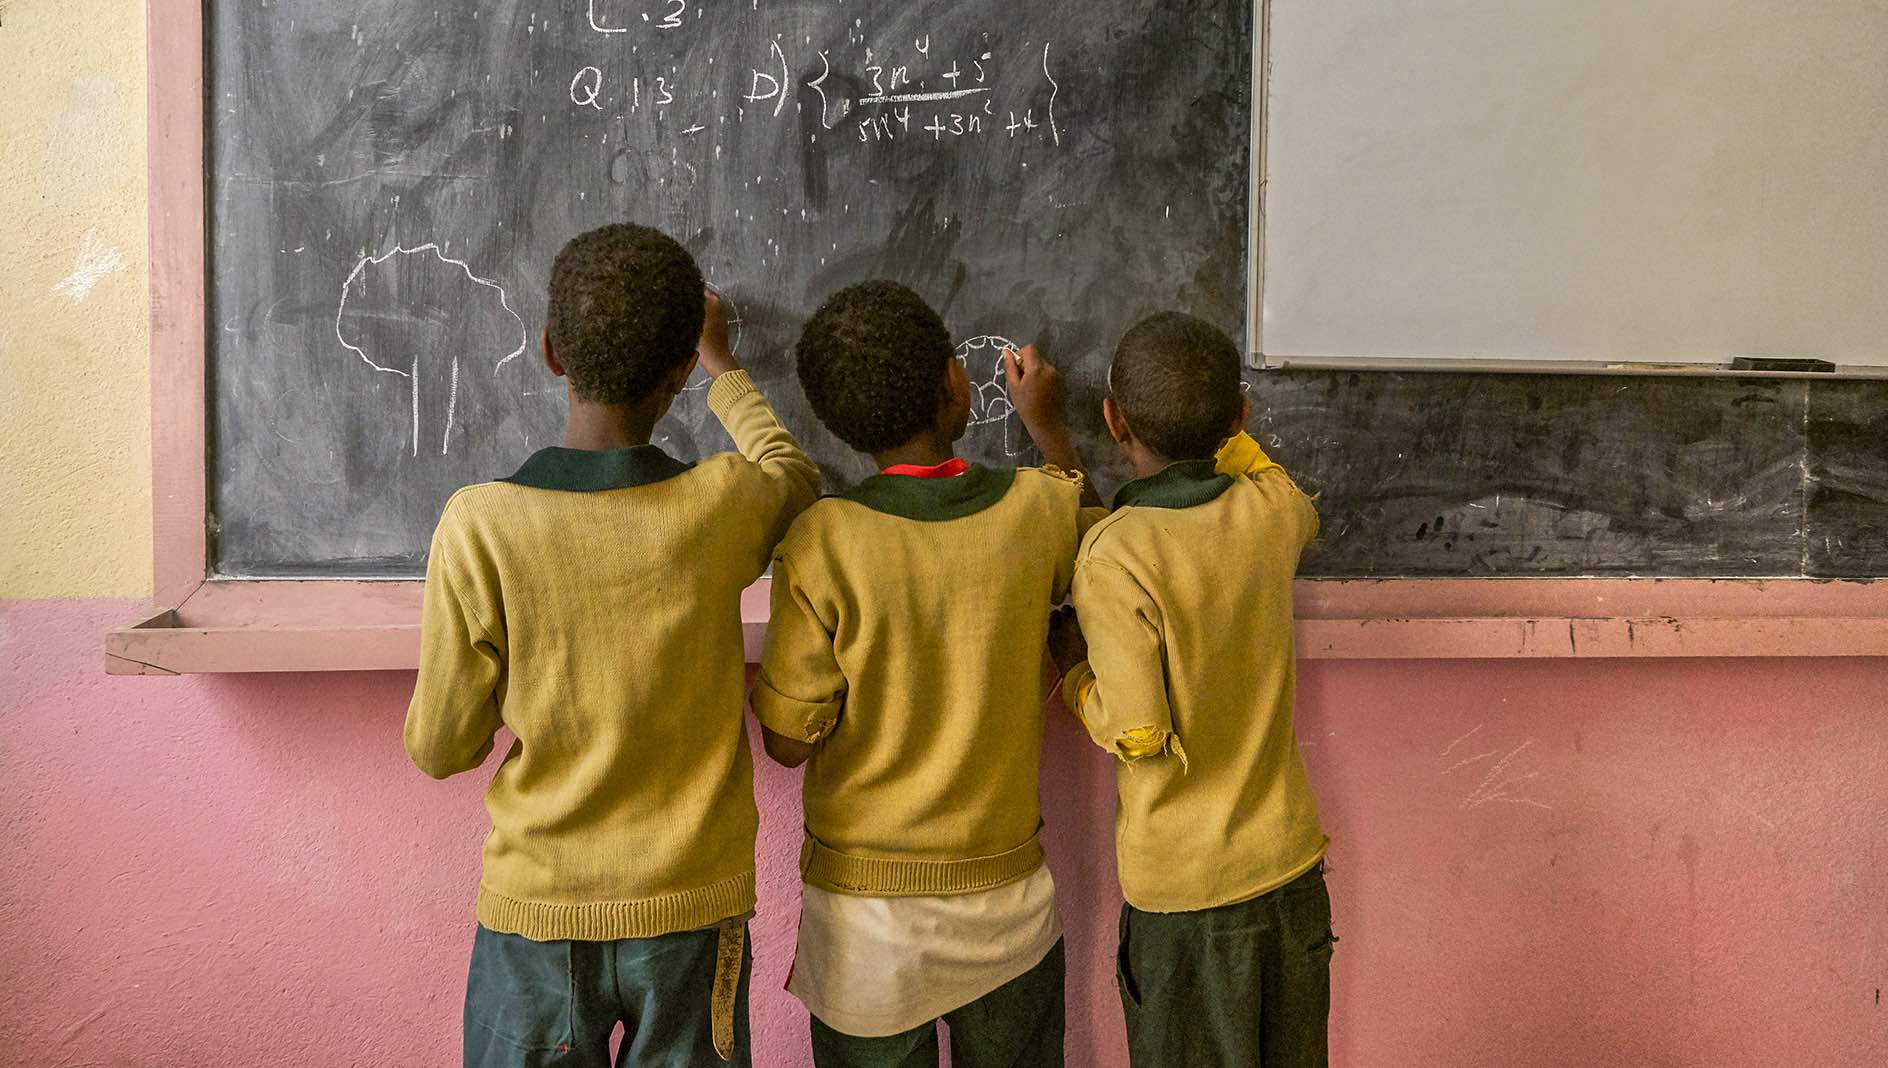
(200, 623)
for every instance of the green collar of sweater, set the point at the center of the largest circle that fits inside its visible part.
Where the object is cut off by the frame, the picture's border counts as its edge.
(935, 499)
(591, 471)
(1178, 485)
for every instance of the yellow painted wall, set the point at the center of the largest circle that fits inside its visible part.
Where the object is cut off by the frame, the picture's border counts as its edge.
(75, 455)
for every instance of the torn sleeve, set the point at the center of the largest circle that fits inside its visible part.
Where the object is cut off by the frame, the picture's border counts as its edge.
(1120, 692)
(1242, 456)
(801, 689)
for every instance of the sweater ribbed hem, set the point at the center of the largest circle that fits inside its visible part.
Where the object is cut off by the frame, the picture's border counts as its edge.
(1161, 892)
(844, 873)
(729, 388)
(606, 921)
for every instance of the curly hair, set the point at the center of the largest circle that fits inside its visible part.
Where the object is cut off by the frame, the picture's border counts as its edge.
(872, 361)
(1176, 381)
(626, 309)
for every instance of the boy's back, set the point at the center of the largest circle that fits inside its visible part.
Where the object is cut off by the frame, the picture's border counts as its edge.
(591, 604)
(904, 669)
(601, 593)
(1185, 598)
(924, 621)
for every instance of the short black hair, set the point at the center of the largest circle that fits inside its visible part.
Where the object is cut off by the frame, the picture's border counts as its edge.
(1176, 381)
(626, 309)
(872, 361)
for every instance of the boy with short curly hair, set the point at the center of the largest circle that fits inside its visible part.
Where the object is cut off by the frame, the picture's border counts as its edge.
(1188, 677)
(904, 667)
(591, 604)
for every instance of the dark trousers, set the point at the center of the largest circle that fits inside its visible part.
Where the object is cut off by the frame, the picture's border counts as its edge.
(1018, 1024)
(1246, 985)
(555, 1004)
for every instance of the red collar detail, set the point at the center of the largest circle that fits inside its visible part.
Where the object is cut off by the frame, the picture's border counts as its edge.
(950, 468)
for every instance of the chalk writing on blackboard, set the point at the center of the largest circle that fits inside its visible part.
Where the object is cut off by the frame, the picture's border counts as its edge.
(954, 97)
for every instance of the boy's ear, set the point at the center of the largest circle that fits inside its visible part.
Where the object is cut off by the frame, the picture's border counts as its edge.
(1117, 423)
(956, 396)
(1245, 416)
(550, 357)
(678, 378)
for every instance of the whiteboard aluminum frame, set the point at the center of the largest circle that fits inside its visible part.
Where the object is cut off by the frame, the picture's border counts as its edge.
(1259, 359)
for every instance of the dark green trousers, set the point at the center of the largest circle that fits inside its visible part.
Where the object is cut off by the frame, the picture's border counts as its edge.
(1241, 986)
(1017, 1025)
(555, 1004)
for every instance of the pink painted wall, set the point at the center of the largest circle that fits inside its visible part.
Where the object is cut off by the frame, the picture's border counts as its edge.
(1542, 863)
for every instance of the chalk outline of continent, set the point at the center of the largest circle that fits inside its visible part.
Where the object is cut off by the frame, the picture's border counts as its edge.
(992, 397)
(452, 402)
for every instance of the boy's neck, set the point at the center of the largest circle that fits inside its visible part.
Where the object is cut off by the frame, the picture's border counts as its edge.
(925, 450)
(598, 427)
(1145, 461)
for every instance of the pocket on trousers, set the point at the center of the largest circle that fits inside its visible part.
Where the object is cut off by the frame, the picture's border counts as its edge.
(1124, 965)
(521, 991)
(1323, 947)
(1309, 916)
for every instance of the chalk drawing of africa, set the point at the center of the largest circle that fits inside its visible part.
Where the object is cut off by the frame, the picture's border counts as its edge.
(420, 315)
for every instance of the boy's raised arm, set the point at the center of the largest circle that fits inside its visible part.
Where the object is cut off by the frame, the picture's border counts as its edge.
(1040, 398)
(454, 715)
(792, 479)
(1243, 456)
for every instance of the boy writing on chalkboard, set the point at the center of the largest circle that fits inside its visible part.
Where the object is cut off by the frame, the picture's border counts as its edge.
(1187, 677)
(904, 667)
(591, 604)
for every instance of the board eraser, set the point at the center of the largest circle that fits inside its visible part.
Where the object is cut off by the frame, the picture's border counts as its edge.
(1780, 363)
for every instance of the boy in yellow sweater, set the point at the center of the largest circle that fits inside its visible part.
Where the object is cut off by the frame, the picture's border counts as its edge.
(1184, 595)
(591, 604)
(904, 667)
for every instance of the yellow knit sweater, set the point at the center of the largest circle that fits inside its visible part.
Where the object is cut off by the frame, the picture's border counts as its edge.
(907, 640)
(591, 604)
(1184, 594)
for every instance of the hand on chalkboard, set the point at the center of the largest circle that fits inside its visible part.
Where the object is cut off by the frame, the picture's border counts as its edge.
(1036, 389)
(1067, 646)
(717, 358)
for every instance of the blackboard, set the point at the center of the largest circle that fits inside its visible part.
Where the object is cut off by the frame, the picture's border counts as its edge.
(1465, 475)
(389, 183)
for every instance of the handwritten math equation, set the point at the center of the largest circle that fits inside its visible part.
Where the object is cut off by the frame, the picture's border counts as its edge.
(863, 89)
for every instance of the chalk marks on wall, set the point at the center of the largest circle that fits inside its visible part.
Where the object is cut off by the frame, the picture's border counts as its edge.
(354, 291)
(95, 261)
(1503, 781)
(990, 404)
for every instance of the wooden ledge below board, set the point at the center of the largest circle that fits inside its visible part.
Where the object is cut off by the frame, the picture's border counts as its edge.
(243, 626)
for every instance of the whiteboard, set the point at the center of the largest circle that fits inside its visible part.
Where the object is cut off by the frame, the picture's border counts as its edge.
(1682, 181)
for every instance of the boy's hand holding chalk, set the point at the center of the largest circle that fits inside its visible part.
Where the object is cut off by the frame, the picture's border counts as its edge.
(1036, 388)
(1041, 399)
(716, 356)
